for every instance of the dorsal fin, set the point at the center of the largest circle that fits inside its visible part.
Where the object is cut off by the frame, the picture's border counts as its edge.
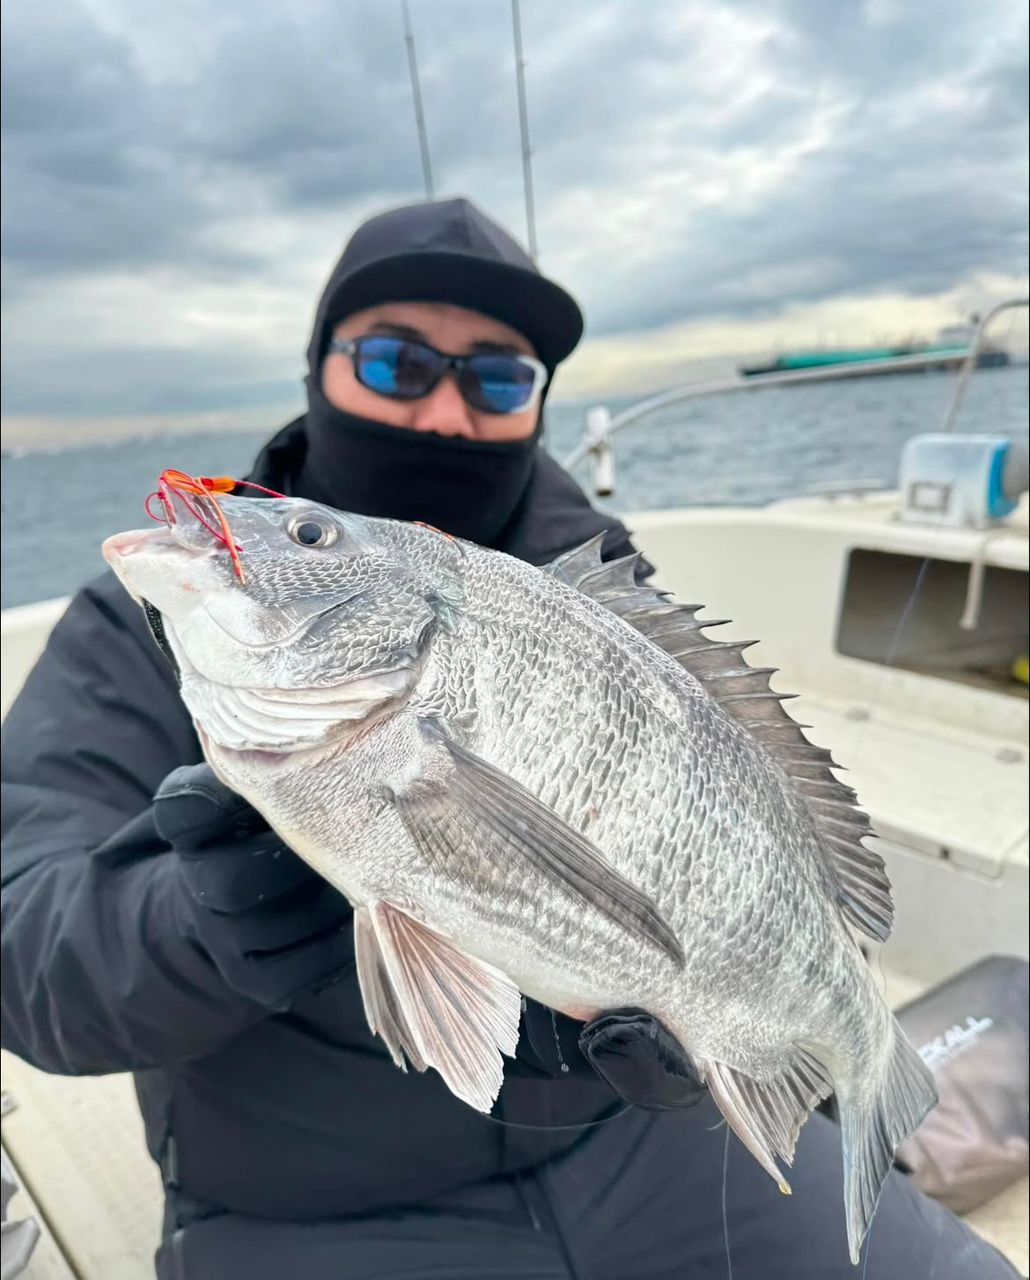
(744, 692)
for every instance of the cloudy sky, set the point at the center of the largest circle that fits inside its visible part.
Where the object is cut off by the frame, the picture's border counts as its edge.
(711, 178)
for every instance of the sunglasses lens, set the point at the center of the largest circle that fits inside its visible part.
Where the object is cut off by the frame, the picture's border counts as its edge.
(498, 384)
(396, 368)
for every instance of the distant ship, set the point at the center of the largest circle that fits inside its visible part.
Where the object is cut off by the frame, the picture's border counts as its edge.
(952, 345)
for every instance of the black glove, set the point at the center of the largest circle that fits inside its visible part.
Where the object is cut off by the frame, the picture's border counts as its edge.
(271, 925)
(629, 1049)
(641, 1060)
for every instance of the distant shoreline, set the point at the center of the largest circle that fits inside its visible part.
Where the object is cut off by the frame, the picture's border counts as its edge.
(24, 435)
(30, 434)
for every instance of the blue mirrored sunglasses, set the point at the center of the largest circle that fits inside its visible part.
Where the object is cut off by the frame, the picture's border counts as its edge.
(402, 369)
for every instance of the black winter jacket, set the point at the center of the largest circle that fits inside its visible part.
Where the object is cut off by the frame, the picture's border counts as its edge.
(298, 1115)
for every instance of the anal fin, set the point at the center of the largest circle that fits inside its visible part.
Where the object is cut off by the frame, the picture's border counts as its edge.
(437, 1004)
(767, 1115)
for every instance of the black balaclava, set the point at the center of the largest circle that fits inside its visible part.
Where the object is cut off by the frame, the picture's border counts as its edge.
(469, 488)
(443, 251)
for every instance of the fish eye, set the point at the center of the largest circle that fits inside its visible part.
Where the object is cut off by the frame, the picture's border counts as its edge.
(306, 531)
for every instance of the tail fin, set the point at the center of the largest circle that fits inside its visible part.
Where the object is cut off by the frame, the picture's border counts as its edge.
(872, 1128)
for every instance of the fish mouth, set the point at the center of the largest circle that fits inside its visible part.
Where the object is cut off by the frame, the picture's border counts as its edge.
(186, 525)
(125, 552)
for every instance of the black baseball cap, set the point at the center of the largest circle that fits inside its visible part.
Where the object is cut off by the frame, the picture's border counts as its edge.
(447, 251)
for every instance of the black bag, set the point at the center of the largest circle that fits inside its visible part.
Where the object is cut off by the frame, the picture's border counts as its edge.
(973, 1032)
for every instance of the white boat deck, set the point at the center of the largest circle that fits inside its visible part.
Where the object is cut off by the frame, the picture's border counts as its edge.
(78, 1147)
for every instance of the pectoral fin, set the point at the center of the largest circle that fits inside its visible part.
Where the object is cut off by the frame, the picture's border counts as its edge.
(461, 804)
(435, 1004)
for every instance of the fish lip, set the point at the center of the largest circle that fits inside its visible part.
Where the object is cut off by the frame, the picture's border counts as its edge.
(121, 546)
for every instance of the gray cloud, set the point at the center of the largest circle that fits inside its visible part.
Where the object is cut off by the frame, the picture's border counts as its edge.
(691, 159)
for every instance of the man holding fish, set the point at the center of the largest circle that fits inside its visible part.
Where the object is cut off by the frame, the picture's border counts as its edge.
(155, 922)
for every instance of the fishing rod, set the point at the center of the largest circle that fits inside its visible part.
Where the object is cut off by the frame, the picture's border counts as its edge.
(416, 94)
(520, 87)
(527, 152)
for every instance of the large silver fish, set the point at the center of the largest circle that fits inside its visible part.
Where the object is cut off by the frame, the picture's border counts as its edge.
(549, 782)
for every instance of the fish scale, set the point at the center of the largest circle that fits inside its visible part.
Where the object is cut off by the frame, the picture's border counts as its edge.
(555, 783)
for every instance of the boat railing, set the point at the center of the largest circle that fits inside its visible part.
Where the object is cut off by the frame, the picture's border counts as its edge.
(601, 424)
(970, 362)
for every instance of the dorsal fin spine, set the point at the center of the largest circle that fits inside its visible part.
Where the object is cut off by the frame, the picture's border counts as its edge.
(744, 693)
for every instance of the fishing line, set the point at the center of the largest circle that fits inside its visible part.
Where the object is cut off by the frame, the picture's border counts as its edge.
(868, 1245)
(561, 1128)
(934, 530)
(895, 640)
(557, 1043)
(725, 1211)
(892, 651)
